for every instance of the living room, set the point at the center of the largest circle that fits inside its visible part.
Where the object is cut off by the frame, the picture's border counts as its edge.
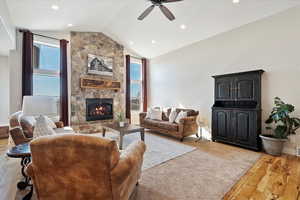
(162, 99)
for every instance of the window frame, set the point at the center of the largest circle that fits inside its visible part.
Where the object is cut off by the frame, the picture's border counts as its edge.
(140, 82)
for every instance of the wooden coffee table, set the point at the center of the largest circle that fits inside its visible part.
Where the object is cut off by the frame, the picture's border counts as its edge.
(127, 129)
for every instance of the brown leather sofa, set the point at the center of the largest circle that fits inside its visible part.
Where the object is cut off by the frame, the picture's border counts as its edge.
(21, 132)
(81, 167)
(186, 127)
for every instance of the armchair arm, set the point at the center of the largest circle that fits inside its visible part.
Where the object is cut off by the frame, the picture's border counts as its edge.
(142, 117)
(18, 136)
(188, 125)
(130, 161)
(59, 124)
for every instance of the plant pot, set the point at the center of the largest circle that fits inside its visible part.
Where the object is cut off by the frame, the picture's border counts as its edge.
(121, 124)
(272, 146)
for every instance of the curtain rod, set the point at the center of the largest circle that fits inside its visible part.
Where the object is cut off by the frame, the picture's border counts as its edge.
(53, 38)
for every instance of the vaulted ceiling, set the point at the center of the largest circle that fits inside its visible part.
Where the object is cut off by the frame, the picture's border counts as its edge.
(118, 19)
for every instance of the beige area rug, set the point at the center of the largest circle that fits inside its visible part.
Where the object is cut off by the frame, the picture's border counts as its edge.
(159, 149)
(204, 173)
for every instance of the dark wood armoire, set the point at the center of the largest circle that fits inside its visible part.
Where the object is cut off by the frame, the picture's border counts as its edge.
(236, 113)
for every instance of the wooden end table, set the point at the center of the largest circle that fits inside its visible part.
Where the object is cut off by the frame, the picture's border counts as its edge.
(127, 129)
(22, 151)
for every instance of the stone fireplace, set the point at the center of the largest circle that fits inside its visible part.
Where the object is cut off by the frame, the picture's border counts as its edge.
(91, 107)
(99, 109)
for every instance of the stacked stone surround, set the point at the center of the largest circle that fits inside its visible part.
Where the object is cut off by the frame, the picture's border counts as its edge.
(82, 44)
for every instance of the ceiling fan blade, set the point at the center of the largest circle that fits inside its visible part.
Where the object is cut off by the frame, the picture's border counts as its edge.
(146, 12)
(170, 1)
(167, 12)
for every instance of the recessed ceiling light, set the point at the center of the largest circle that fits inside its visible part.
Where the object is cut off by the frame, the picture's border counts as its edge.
(55, 7)
(131, 43)
(235, 1)
(153, 41)
(70, 25)
(182, 26)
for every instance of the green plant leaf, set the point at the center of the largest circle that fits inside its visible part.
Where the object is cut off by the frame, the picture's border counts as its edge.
(281, 131)
(269, 121)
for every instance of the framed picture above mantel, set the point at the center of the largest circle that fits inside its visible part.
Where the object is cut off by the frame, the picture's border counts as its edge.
(100, 65)
(92, 83)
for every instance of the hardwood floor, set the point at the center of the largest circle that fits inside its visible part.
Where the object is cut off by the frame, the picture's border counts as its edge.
(271, 178)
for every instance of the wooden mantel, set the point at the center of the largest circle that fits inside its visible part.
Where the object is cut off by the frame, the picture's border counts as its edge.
(92, 83)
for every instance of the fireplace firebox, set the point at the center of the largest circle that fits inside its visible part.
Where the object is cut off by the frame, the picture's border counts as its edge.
(99, 109)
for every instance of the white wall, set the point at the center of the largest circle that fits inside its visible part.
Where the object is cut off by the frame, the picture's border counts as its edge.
(183, 77)
(7, 30)
(15, 75)
(4, 90)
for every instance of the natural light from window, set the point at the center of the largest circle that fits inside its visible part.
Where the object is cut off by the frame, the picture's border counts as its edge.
(46, 70)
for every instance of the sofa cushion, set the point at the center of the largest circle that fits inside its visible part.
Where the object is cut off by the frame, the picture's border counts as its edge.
(151, 122)
(168, 126)
(161, 124)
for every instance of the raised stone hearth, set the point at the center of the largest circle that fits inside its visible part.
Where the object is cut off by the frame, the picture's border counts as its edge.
(82, 44)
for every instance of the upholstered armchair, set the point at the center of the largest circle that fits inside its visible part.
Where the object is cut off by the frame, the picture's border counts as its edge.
(81, 167)
(21, 130)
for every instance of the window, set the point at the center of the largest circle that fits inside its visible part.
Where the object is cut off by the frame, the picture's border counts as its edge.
(46, 70)
(136, 100)
(136, 85)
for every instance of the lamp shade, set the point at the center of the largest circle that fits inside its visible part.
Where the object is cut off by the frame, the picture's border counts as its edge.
(39, 105)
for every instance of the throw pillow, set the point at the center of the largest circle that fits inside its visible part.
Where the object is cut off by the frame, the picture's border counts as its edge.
(50, 122)
(172, 116)
(42, 128)
(148, 116)
(156, 114)
(150, 111)
(28, 123)
(30, 120)
(165, 117)
(180, 116)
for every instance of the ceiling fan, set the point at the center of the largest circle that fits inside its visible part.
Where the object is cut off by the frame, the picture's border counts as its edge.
(163, 9)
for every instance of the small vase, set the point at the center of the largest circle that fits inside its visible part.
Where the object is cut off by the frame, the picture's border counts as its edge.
(122, 124)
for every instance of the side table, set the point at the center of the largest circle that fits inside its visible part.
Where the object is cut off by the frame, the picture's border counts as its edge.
(22, 151)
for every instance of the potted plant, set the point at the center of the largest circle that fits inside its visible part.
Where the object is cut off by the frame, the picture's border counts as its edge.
(284, 125)
(121, 119)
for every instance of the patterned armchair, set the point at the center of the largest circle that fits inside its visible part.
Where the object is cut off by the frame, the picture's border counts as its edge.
(81, 167)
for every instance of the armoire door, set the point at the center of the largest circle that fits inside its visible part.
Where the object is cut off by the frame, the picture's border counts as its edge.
(244, 127)
(223, 89)
(246, 88)
(222, 124)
